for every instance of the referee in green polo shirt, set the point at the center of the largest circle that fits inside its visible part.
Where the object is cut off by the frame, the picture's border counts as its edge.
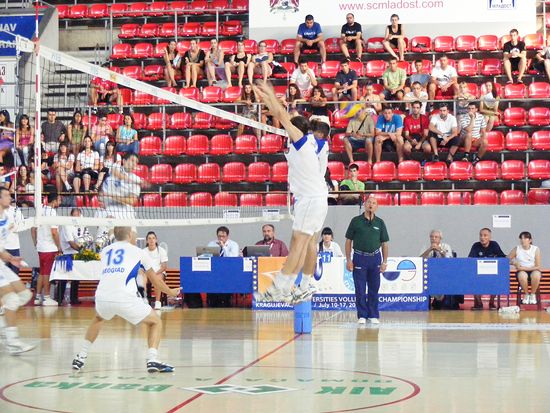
(369, 238)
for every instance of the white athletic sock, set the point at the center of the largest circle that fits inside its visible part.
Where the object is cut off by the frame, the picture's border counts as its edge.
(304, 283)
(152, 354)
(284, 282)
(85, 348)
(12, 334)
(2, 322)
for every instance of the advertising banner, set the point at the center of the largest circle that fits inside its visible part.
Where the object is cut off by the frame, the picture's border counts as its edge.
(21, 25)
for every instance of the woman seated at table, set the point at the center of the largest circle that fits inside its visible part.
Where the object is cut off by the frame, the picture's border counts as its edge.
(527, 260)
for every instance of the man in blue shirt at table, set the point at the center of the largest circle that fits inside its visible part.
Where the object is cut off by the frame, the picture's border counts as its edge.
(310, 37)
(228, 248)
(485, 248)
(389, 134)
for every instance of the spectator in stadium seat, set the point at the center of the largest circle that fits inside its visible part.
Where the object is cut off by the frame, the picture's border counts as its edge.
(332, 187)
(310, 37)
(104, 91)
(389, 130)
(260, 64)
(293, 100)
(345, 83)
(319, 107)
(277, 248)
(23, 179)
(106, 161)
(63, 163)
(24, 138)
(514, 57)
(351, 37)
(214, 62)
(53, 132)
(101, 134)
(444, 80)
(371, 100)
(527, 259)
(395, 38)
(463, 99)
(76, 130)
(238, 63)
(127, 137)
(5, 181)
(352, 183)
(327, 246)
(485, 248)
(228, 248)
(444, 133)
(488, 105)
(394, 81)
(473, 133)
(417, 94)
(360, 135)
(542, 61)
(194, 63)
(87, 166)
(249, 101)
(304, 78)
(172, 60)
(420, 76)
(415, 129)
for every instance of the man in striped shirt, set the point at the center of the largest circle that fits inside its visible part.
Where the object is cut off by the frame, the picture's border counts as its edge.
(473, 133)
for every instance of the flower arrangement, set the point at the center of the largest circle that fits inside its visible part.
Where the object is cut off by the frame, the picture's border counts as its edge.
(86, 255)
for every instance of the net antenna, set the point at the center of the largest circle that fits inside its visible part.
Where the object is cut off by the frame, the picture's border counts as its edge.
(119, 209)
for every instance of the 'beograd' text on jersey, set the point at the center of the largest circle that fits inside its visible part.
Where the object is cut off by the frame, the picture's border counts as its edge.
(307, 163)
(120, 265)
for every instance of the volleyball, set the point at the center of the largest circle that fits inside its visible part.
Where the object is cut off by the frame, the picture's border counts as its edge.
(349, 110)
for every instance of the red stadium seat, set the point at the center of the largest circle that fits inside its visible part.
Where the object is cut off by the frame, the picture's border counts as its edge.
(128, 31)
(161, 174)
(539, 116)
(486, 171)
(150, 146)
(495, 141)
(384, 171)
(239, 6)
(246, 144)
(234, 172)
(533, 41)
(287, 46)
(460, 171)
(375, 68)
(358, 67)
(197, 145)
(180, 120)
(167, 30)
(78, 11)
(374, 45)
(332, 44)
(421, 44)
(435, 171)
(136, 9)
(222, 124)
(211, 94)
(158, 8)
(330, 68)
(514, 91)
(432, 198)
(225, 199)
(175, 199)
(228, 47)
(251, 200)
(538, 197)
(154, 72)
(209, 29)
(127, 96)
(174, 146)
(383, 198)
(402, 65)
(156, 121)
(467, 67)
(409, 171)
(279, 199)
(219, 4)
(89, 121)
(541, 140)
(142, 171)
(190, 29)
(407, 198)
(485, 197)
(208, 173)
(140, 120)
(119, 9)
(198, 7)
(289, 67)
(488, 43)
(234, 28)
(159, 49)
(179, 6)
(200, 199)
(251, 46)
(504, 39)
(231, 94)
(337, 143)
(517, 140)
(202, 120)
(259, 172)
(162, 101)
(539, 90)
(221, 145)
(152, 200)
(459, 198)
(133, 72)
(365, 170)
(185, 173)
(143, 51)
(183, 45)
(280, 172)
(443, 44)
(515, 116)
(491, 67)
(339, 120)
(539, 169)
(148, 30)
(465, 43)
(62, 11)
(512, 170)
(337, 170)
(115, 120)
(190, 93)
(121, 51)
(271, 143)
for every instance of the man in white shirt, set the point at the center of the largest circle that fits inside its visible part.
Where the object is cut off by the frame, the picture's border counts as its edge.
(304, 78)
(444, 133)
(47, 243)
(12, 245)
(473, 133)
(416, 94)
(228, 248)
(444, 80)
(117, 295)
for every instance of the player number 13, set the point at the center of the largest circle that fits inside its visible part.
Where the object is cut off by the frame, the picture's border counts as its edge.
(115, 256)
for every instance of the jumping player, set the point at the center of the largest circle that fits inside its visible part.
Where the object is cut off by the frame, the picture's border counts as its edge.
(117, 294)
(307, 159)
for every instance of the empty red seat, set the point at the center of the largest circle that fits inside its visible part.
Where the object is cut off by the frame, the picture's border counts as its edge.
(231, 94)
(533, 41)
(491, 67)
(198, 6)
(337, 143)
(156, 121)
(374, 45)
(375, 68)
(159, 49)
(259, 172)
(202, 120)
(538, 196)
(219, 4)
(407, 198)
(222, 124)
(339, 119)
(465, 43)
(539, 116)
(158, 8)
(174, 146)
(383, 198)
(467, 67)
(512, 170)
(140, 120)
(175, 199)
(150, 146)
(239, 6)
(119, 9)
(517, 140)
(460, 171)
(221, 145)
(62, 11)
(271, 143)
(443, 44)
(179, 6)
(432, 198)
(485, 197)
(211, 94)
(225, 199)
(182, 46)
(148, 30)
(228, 47)
(142, 171)
(133, 72)
(251, 200)
(121, 51)
(383, 171)
(251, 46)
(409, 171)
(365, 171)
(167, 30)
(495, 141)
(514, 91)
(234, 172)
(358, 67)
(200, 199)
(114, 120)
(161, 174)
(209, 29)
(197, 145)
(190, 93)
(539, 169)
(246, 144)
(541, 140)
(539, 90)
(280, 172)
(330, 68)
(515, 116)
(435, 171)
(486, 171)
(127, 96)
(208, 173)
(152, 200)
(235, 28)
(190, 29)
(129, 30)
(143, 51)
(78, 11)
(155, 72)
(180, 120)
(136, 9)
(141, 98)
(337, 170)
(487, 42)
(421, 44)
(185, 173)
(459, 198)
(278, 199)
(159, 100)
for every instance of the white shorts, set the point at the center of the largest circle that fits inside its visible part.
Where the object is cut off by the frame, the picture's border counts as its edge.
(309, 214)
(134, 310)
(7, 276)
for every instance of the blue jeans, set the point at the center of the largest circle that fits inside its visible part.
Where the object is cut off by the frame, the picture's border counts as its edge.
(99, 145)
(132, 147)
(366, 272)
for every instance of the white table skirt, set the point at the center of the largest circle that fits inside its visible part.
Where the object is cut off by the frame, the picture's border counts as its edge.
(82, 271)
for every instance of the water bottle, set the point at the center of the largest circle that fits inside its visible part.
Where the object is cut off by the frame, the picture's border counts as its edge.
(509, 310)
(67, 295)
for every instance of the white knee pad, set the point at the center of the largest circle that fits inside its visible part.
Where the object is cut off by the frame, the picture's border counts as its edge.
(24, 297)
(10, 301)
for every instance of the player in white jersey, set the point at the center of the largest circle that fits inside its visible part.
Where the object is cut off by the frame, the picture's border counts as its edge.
(117, 295)
(307, 159)
(13, 293)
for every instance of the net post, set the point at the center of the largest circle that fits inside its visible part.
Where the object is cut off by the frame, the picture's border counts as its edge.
(37, 127)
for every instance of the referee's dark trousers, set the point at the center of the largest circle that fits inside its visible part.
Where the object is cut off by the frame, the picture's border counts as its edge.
(366, 272)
